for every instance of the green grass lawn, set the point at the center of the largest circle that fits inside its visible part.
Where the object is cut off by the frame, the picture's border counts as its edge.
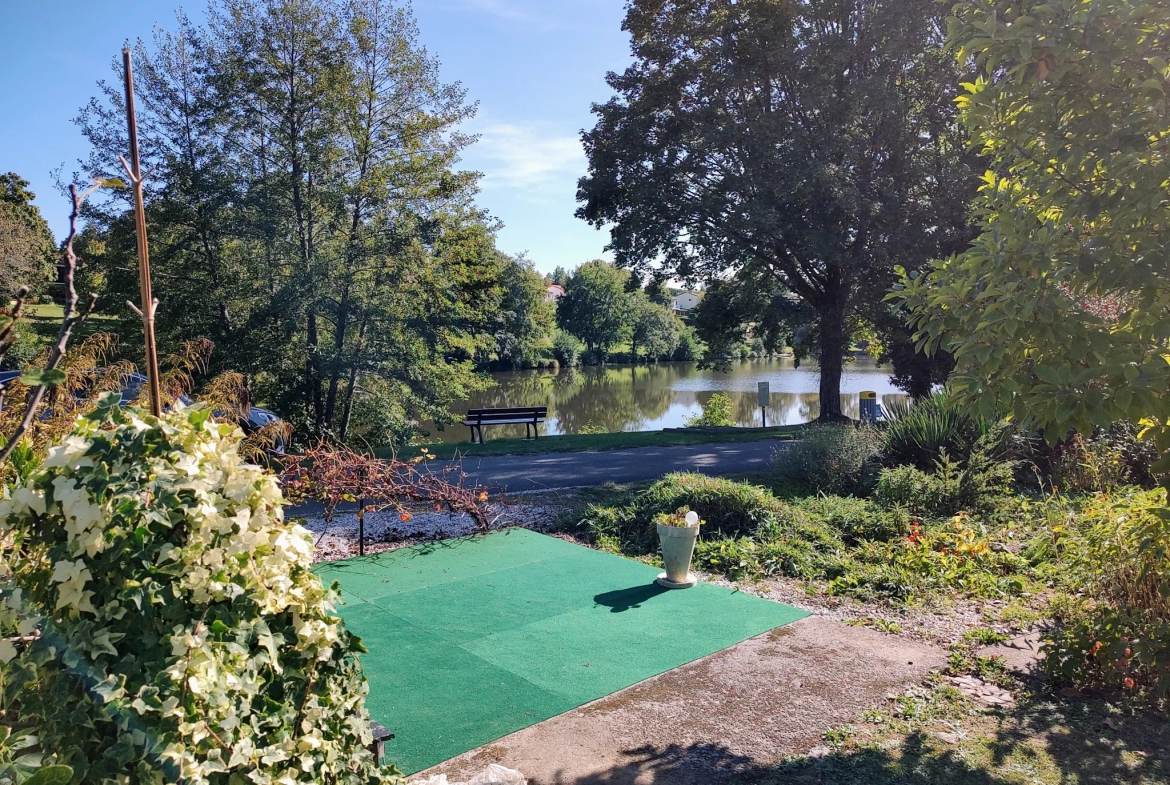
(45, 321)
(593, 442)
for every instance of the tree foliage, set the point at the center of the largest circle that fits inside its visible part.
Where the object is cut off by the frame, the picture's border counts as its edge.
(27, 248)
(525, 318)
(797, 146)
(305, 208)
(596, 306)
(1057, 314)
(655, 329)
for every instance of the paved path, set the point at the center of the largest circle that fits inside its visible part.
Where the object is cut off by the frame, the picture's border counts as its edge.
(725, 718)
(517, 473)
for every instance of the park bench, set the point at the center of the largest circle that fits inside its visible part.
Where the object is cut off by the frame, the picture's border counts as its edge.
(528, 416)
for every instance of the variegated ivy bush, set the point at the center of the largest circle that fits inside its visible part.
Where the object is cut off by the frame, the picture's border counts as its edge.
(171, 629)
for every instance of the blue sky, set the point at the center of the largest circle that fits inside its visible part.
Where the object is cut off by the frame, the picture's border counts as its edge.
(534, 66)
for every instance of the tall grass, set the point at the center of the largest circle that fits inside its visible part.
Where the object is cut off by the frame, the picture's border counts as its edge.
(919, 433)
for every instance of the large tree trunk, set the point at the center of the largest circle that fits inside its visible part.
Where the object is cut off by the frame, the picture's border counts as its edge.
(833, 345)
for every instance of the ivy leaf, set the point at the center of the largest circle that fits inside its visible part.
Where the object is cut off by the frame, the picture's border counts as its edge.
(48, 377)
(51, 775)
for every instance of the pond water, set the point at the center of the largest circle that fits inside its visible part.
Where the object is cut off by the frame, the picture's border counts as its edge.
(665, 395)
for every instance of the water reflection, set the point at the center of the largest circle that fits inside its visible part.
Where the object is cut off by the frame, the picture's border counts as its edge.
(651, 397)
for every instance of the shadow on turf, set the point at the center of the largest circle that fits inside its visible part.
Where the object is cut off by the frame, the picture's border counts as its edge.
(621, 600)
(1078, 746)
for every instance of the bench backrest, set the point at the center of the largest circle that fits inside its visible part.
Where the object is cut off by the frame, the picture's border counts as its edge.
(487, 415)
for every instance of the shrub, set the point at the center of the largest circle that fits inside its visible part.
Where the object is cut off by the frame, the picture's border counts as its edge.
(830, 459)
(182, 633)
(729, 509)
(1119, 634)
(566, 349)
(1087, 466)
(689, 346)
(950, 488)
(717, 412)
(919, 434)
(855, 519)
(745, 558)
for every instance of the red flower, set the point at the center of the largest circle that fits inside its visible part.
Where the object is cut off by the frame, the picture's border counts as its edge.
(1128, 682)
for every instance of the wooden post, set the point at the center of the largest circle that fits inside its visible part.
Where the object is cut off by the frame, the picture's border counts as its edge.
(149, 304)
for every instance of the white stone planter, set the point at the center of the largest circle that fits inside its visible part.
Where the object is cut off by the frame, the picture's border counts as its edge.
(678, 546)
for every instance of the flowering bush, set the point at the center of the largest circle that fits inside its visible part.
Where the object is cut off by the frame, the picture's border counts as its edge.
(163, 621)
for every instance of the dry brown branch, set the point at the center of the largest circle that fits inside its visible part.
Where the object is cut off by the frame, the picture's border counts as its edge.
(70, 318)
(332, 476)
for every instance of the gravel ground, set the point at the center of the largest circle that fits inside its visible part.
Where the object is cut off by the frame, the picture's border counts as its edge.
(387, 530)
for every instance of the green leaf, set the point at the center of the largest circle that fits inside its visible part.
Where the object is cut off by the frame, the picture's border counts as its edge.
(49, 377)
(113, 182)
(1048, 374)
(51, 775)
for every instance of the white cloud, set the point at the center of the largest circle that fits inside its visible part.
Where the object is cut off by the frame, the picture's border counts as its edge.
(523, 157)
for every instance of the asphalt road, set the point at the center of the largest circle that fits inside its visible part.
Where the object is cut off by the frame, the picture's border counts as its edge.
(518, 473)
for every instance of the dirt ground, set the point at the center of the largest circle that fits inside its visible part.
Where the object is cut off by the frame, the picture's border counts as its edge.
(709, 721)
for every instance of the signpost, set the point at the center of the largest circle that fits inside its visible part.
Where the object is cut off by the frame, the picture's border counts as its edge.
(765, 400)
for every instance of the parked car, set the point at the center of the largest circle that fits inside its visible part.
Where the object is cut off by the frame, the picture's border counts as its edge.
(257, 418)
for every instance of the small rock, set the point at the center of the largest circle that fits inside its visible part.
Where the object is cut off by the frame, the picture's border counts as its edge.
(949, 738)
(819, 752)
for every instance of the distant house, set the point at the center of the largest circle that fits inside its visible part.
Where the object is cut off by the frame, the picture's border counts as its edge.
(686, 301)
(555, 293)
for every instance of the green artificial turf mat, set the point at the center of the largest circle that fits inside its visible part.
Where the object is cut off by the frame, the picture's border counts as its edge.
(470, 640)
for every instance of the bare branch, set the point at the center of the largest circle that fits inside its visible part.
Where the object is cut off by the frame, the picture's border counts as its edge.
(70, 318)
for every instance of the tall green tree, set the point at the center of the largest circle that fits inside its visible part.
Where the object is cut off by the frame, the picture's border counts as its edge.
(525, 318)
(306, 209)
(655, 329)
(1059, 313)
(787, 145)
(27, 248)
(596, 306)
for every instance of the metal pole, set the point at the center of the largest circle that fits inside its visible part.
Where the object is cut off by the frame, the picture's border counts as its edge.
(148, 302)
(764, 414)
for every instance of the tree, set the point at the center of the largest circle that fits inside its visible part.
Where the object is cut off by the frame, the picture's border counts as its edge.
(807, 147)
(596, 306)
(1057, 313)
(525, 317)
(306, 211)
(657, 292)
(27, 248)
(560, 276)
(656, 329)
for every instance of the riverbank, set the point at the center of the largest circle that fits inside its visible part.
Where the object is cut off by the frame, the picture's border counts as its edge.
(594, 442)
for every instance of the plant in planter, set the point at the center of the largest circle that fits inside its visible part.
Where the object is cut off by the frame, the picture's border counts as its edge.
(677, 533)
